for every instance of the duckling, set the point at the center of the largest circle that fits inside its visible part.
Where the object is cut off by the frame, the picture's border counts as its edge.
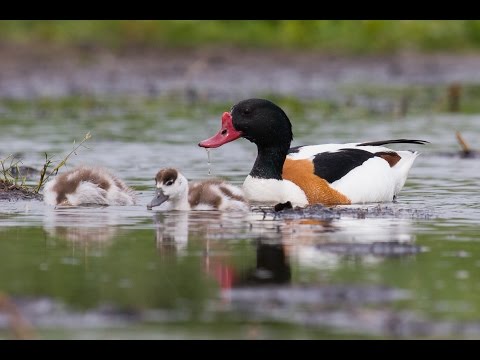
(88, 185)
(174, 190)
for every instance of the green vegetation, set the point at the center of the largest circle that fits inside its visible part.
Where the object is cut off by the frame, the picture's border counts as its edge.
(45, 175)
(347, 36)
(10, 173)
(12, 178)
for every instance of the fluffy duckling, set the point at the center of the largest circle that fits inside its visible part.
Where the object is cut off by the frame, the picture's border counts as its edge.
(173, 190)
(88, 185)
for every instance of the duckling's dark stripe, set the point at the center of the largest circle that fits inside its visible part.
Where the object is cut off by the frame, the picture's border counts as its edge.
(68, 182)
(226, 191)
(165, 175)
(201, 192)
(332, 166)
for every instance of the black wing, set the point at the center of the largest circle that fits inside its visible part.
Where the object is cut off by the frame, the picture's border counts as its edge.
(332, 166)
(295, 149)
(397, 141)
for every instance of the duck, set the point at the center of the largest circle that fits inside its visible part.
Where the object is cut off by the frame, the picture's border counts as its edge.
(175, 193)
(327, 174)
(88, 185)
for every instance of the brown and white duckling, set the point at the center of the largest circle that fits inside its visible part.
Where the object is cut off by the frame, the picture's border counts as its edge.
(175, 193)
(88, 185)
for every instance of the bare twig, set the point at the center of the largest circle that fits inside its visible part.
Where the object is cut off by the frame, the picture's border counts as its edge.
(463, 144)
(20, 327)
(43, 174)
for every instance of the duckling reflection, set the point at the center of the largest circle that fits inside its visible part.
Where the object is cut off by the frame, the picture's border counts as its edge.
(173, 228)
(80, 226)
(83, 234)
(171, 231)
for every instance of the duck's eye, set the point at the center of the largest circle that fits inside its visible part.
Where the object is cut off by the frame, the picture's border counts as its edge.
(246, 111)
(169, 182)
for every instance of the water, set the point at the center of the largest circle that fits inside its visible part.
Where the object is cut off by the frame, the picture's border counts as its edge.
(408, 270)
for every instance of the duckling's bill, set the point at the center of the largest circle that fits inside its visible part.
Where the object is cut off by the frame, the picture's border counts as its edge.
(159, 199)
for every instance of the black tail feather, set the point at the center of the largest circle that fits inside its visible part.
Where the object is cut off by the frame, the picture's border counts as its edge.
(397, 141)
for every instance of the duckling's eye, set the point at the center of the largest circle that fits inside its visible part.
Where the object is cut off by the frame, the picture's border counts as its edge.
(169, 182)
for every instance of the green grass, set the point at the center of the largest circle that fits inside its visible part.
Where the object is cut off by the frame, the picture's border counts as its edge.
(342, 36)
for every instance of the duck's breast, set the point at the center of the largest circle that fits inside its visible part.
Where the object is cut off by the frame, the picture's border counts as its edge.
(272, 191)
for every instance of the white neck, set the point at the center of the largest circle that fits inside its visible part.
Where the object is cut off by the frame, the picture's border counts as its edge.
(180, 202)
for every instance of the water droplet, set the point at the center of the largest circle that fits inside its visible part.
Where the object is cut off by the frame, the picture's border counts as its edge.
(209, 162)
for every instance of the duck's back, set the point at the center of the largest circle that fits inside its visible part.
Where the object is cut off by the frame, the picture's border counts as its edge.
(348, 173)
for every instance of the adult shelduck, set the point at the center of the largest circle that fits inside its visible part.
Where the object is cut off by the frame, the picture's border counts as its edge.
(174, 190)
(328, 174)
(87, 185)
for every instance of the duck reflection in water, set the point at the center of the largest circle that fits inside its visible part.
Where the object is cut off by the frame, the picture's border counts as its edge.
(272, 266)
(172, 235)
(309, 243)
(171, 232)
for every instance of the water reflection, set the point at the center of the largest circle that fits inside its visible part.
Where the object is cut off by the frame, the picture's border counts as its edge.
(83, 234)
(308, 243)
(272, 266)
(326, 245)
(171, 232)
(261, 267)
(213, 229)
(81, 225)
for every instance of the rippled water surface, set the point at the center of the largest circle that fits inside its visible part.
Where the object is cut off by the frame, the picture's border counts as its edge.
(408, 269)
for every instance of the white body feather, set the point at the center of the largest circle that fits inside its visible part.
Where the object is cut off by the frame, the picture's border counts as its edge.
(373, 181)
(273, 191)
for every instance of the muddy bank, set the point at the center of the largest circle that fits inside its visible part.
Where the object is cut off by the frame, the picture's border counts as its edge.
(224, 74)
(11, 192)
